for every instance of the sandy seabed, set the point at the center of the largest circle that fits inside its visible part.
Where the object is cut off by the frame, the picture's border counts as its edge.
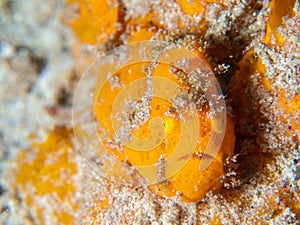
(38, 77)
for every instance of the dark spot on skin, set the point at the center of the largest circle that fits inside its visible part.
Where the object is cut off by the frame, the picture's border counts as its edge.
(185, 157)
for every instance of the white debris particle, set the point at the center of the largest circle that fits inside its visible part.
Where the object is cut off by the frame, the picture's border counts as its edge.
(37, 62)
(114, 81)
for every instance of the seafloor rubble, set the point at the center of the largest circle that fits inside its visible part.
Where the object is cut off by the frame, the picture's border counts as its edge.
(253, 49)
